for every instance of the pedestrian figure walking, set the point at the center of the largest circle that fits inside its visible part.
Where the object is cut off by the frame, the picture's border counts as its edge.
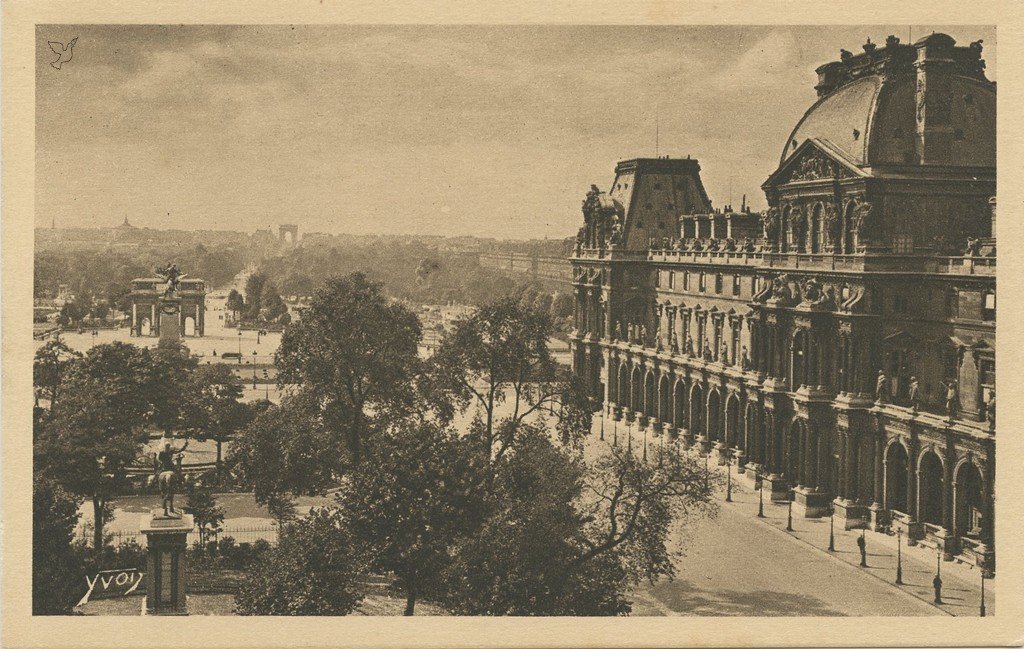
(862, 544)
(937, 584)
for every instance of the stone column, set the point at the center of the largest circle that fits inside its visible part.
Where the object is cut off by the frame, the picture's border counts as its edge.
(136, 330)
(154, 322)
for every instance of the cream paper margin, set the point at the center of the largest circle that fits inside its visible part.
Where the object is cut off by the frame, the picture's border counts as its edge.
(20, 629)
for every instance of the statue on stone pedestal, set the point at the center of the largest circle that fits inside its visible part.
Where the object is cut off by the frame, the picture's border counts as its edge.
(708, 355)
(745, 360)
(618, 331)
(643, 334)
(167, 475)
(952, 399)
(689, 346)
(882, 387)
(913, 394)
(724, 354)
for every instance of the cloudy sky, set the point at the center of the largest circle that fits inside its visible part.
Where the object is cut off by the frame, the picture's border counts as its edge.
(492, 131)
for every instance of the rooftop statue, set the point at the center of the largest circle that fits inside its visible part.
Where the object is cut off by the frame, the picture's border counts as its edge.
(173, 277)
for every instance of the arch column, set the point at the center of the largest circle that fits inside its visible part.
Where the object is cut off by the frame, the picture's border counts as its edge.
(879, 520)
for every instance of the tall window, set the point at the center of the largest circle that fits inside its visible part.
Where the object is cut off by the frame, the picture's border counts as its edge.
(703, 282)
(718, 283)
(671, 279)
(735, 284)
(686, 281)
(986, 379)
(988, 305)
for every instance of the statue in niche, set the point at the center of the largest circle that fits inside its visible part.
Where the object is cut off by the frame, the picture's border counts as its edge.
(744, 359)
(724, 354)
(770, 223)
(618, 331)
(689, 346)
(832, 226)
(861, 219)
(798, 225)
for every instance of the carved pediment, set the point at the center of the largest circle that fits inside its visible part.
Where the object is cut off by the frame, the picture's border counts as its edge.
(811, 162)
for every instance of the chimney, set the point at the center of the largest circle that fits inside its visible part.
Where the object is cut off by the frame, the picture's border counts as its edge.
(935, 67)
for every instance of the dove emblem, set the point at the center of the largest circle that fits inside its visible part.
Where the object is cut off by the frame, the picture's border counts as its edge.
(62, 51)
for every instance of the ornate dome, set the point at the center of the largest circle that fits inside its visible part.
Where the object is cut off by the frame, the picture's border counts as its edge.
(868, 111)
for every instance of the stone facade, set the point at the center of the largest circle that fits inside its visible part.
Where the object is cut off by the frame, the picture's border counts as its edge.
(146, 295)
(842, 343)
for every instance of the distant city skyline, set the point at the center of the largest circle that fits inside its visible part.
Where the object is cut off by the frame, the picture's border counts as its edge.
(403, 129)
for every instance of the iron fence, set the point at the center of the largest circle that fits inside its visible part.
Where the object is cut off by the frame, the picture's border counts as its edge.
(243, 534)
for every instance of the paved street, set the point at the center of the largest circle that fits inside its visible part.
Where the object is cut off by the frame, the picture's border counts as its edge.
(737, 564)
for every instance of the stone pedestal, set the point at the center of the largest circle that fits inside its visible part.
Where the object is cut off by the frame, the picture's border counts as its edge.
(739, 460)
(170, 320)
(878, 518)
(850, 515)
(810, 503)
(777, 488)
(685, 438)
(669, 430)
(751, 475)
(703, 445)
(166, 539)
(722, 453)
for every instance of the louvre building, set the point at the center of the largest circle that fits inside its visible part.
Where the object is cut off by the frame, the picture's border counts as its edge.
(838, 348)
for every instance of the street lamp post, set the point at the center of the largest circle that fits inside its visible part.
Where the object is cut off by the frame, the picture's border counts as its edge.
(982, 593)
(707, 472)
(760, 501)
(832, 530)
(239, 346)
(728, 482)
(602, 423)
(615, 432)
(789, 516)
(266, 383)
(899, 556)
(254, 369)
(645, 444)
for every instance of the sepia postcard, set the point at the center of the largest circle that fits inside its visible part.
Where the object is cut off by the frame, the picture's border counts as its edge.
(636, 324)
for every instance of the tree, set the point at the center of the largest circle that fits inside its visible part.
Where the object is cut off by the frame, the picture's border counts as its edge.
(97, 426)
(314, 570)
(72, 313)
(408, 502)
(213, 407)
(566, 538)
(272, 307)
(57, 571)
(235, 304)
(207, 515)
(501, 353)
(355, 355)
(51, 363)
(254, 294)
(520, 560)
(285, 452)
(170, 387)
